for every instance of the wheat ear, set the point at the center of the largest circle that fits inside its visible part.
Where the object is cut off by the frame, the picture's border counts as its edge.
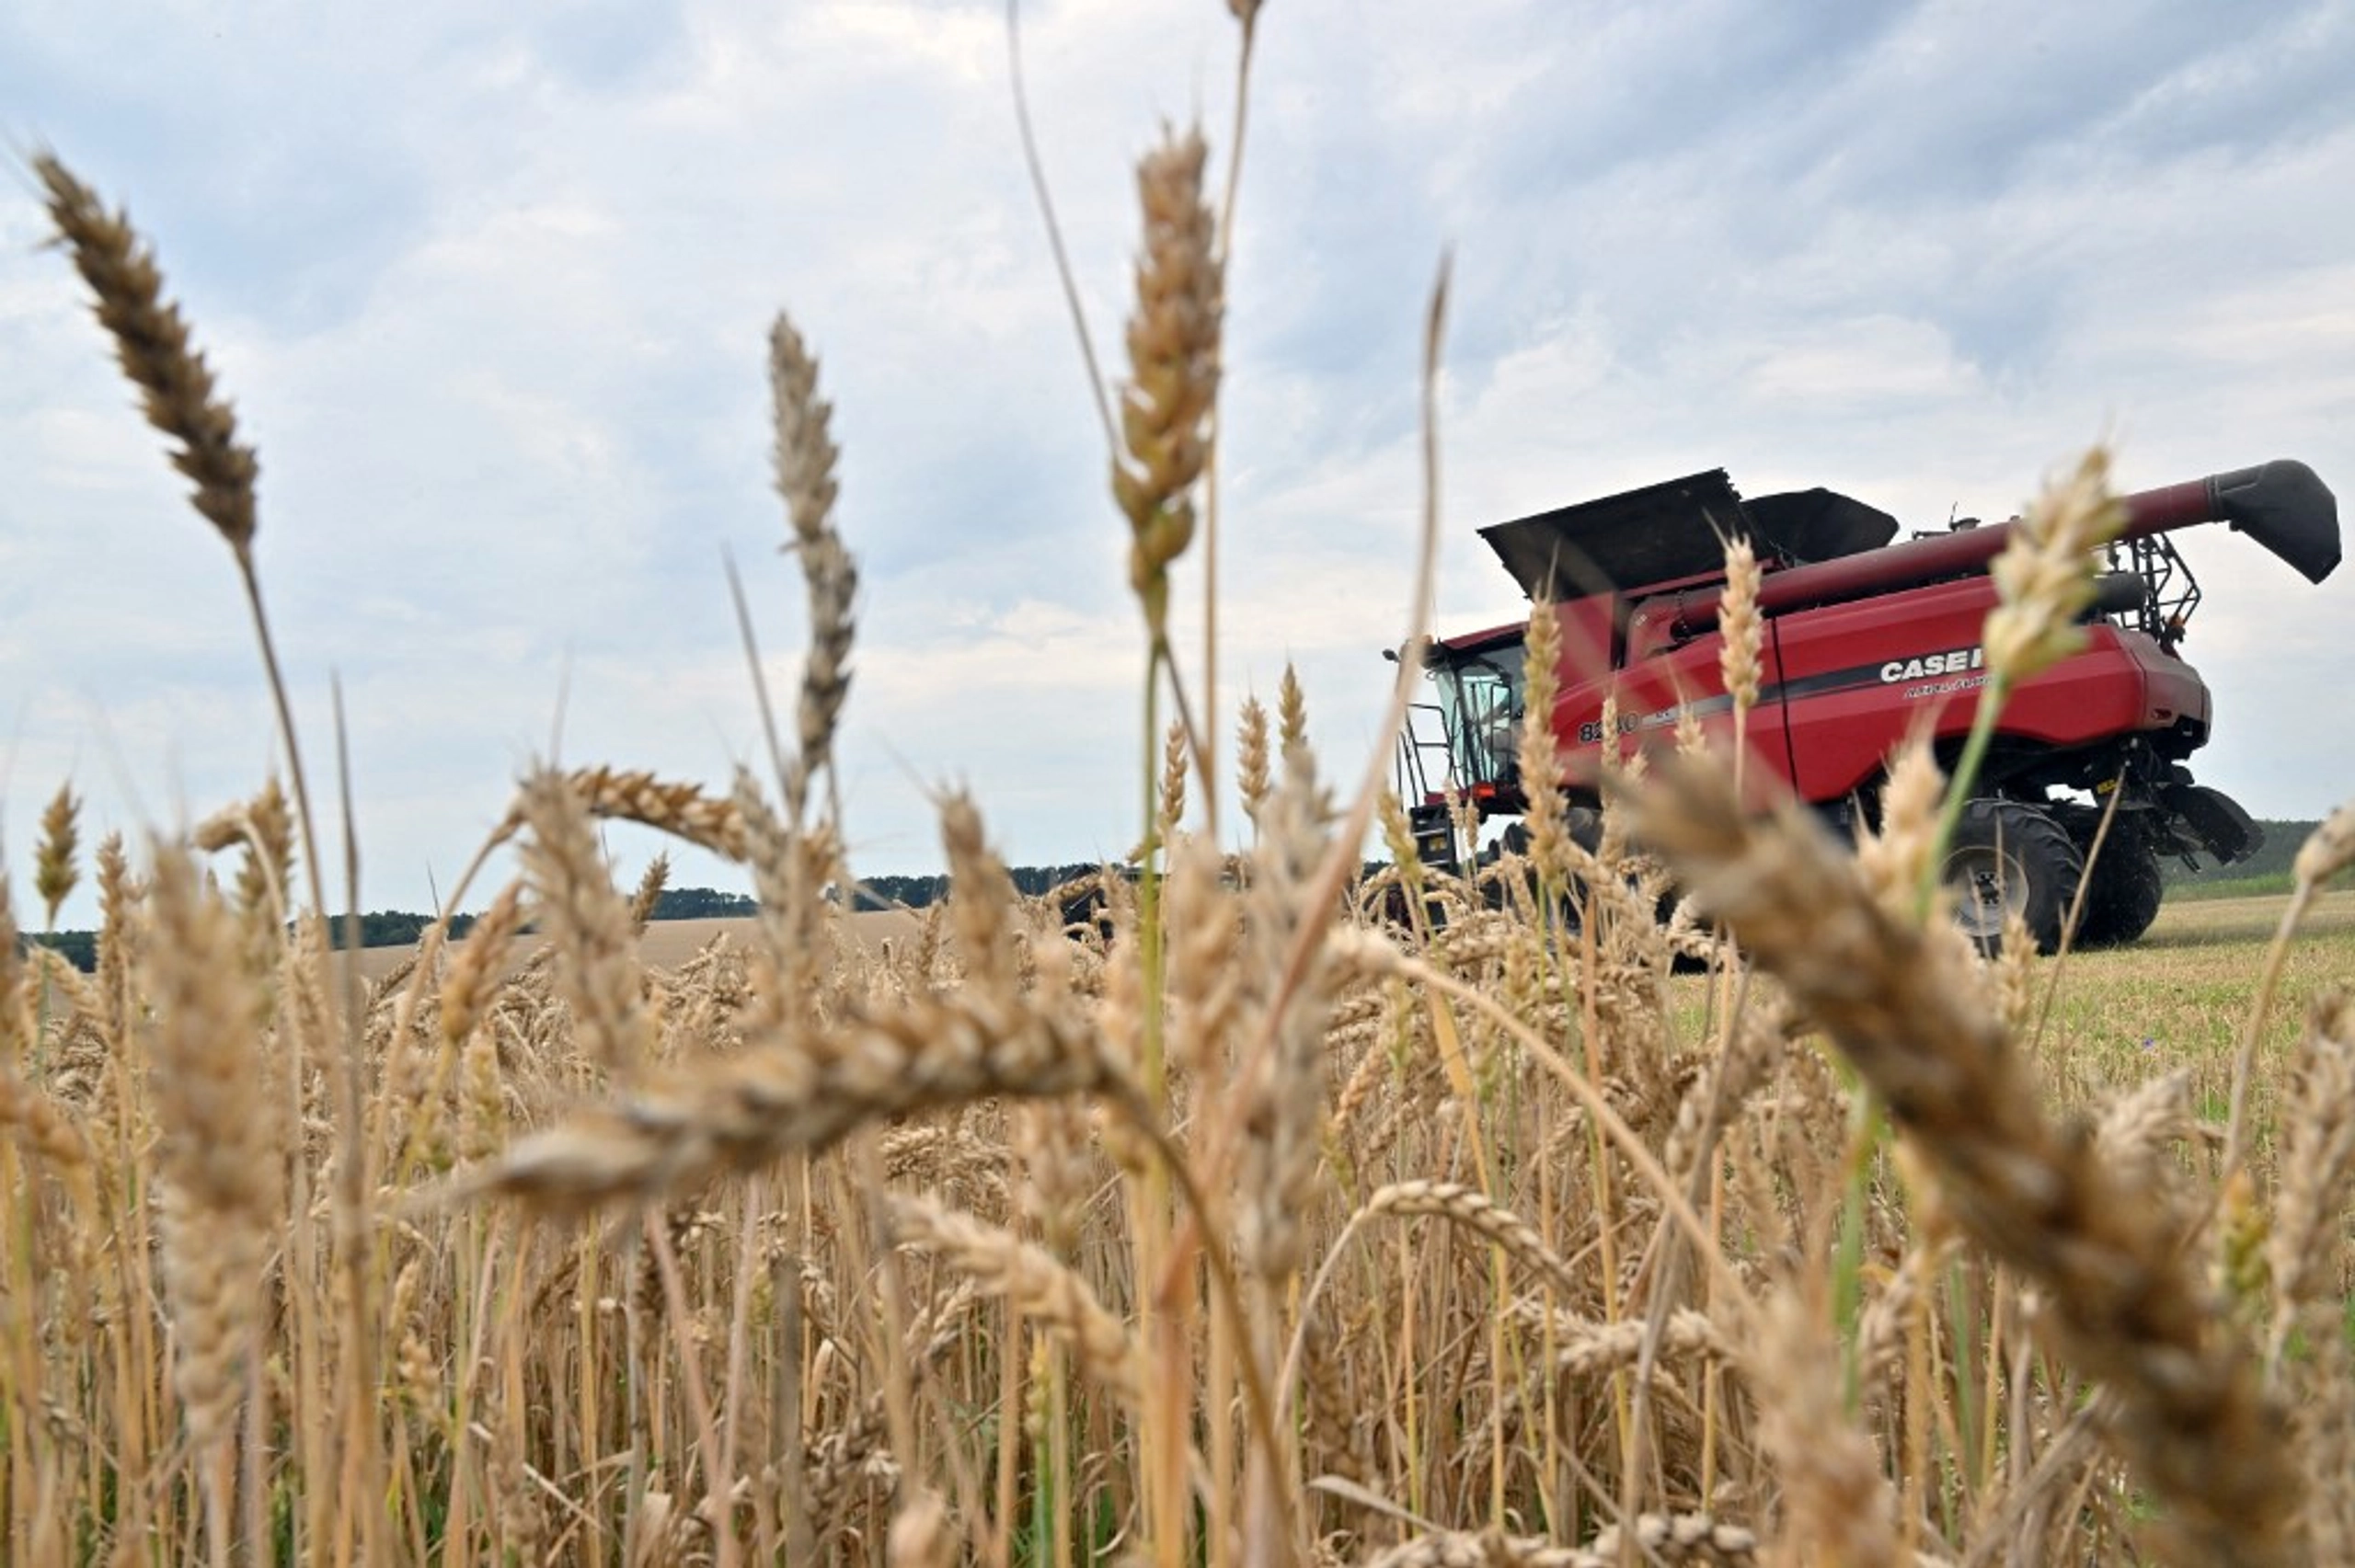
(1030, 1279)
(55, 872)
(1251, 757)
(805, 456)
(25, 1107)
(1671, 1541)
(1166, 408)
(588, 927)
(2317, 1161)
(801, 1089)
(2035, 1195)
(153, 347)
(681, 811)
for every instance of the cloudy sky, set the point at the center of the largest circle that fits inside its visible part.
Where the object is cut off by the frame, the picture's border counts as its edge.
(490, 287)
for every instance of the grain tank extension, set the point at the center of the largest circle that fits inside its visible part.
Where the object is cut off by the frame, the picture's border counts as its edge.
(1864, 636)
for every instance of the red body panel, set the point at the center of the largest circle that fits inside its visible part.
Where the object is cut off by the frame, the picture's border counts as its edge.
(1843, 684)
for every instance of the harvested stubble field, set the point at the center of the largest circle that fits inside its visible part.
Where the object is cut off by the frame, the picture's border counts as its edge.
(1261, 1232)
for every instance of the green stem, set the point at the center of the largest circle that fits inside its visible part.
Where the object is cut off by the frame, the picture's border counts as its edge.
(1959, 787)
(1865, 1131)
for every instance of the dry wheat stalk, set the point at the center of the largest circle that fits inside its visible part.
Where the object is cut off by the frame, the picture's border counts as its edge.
(1891, 1316)
(1550, 849)
(1292, 714)
(1173, 340)
(1172, 794)
(118, 895)
(469, 983)
(589, 926)
(2044, 579)
(54, 873)
(152, 345)
(1737, 618)
(786, 960)
(2129, 1312)
(648, 895)
(2317, 1166)
(2328, 850)
(981, 899)
(1204, 988)
(679, 809)
(805, 457)
(1329, 1416)
(1030, 1279)
(1251, 757)
(1279, 1098)
(482, 1099)
(854, 1444)
(473, 976)
(2136, 1129)
(264, 826)
(219, 1160)
(920, 1535)
(1470, 1208)
(26, 1107)
(684, 1126)
(1671, 1541)
(1055, 1152)
(1837, 1506)
(1894, 860)
(803, 454)
(1593, 1350)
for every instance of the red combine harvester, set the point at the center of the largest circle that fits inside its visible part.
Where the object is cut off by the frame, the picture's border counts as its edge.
(1861, 636)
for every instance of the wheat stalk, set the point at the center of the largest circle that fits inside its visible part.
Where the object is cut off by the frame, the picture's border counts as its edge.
(1891, 996)
(1251, 757)
(54, 873)
(2044, 577)
(1029, 1278)
(805, 1091)
(588, 927)
(1173, 341)
(152, 345)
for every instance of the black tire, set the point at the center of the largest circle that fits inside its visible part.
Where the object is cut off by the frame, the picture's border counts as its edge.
(2123, 888)
(2007, 854)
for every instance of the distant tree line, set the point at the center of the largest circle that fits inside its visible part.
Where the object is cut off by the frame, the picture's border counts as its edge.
(916, 892)
(393, 928)
(80, 948)
(399, 927)
(703, 904)
(2272, 858)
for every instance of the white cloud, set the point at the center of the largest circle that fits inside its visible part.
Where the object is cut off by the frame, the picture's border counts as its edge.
(490, 289)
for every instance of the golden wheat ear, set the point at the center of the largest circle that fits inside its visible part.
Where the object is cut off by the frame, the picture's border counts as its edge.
(1901, 1003)
(805, 457)
(152, 346)
(1173, 369)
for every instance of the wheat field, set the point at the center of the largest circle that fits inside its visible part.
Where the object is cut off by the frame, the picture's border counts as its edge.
(1701, 1199)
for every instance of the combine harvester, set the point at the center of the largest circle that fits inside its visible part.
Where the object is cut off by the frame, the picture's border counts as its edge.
(1861, 637)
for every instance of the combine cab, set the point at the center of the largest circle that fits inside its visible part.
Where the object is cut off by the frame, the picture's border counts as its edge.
(1863, 637)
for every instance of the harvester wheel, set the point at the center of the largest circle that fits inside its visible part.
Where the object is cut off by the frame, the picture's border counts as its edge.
(2123, 888)
(2009, 855)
